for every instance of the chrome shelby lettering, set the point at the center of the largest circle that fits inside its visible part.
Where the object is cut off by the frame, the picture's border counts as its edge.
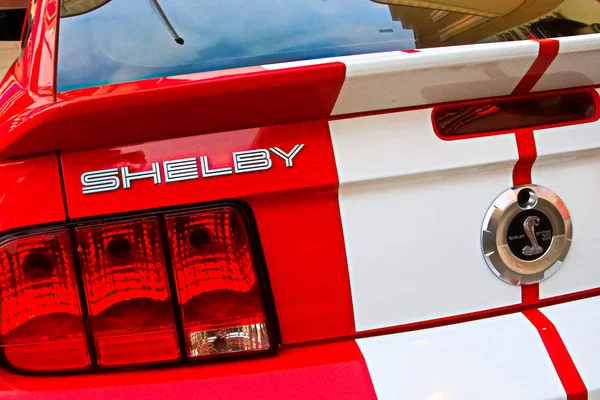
(184, 169)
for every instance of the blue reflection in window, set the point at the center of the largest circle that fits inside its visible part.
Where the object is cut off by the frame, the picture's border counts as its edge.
(127, 40)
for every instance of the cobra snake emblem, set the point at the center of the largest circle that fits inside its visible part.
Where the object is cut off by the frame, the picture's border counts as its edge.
(529, 227)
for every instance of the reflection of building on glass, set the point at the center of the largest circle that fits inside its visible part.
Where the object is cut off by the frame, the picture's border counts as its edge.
(71, 8)
(454, 22)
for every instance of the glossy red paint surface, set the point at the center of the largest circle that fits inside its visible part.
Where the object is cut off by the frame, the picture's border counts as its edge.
(28, 85)
(324, 371)
(175, 107)
(30, 193)
(14, 101)
(296, 209)
(35, 68)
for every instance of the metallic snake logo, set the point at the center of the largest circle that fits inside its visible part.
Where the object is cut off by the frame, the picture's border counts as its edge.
(529, 227)
(526, 234)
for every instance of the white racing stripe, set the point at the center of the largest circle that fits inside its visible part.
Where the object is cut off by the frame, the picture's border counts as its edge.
(496, 358)
(569, 164)
(397, 79)
(412, 207)
(578, 324)
(435, 76)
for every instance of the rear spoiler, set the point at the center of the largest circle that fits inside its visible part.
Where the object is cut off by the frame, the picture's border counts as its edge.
(252, 97)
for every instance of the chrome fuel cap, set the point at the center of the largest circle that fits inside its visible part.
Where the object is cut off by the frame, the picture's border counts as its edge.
(526, 234)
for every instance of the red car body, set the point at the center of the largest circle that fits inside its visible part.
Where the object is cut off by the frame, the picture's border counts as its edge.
(48, 139)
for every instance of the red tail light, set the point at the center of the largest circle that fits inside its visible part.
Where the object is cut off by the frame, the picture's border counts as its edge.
(141, 305)
(127, 292)
(42, 326)
(217, 286)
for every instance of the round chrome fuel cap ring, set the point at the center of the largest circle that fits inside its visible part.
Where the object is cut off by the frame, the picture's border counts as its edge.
(526, 234)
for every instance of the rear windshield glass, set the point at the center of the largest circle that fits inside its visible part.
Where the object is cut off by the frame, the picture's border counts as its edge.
(110, 41)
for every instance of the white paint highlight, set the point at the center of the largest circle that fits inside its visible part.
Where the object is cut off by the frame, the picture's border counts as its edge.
(412, 206)
(495, 358)
(569, 164)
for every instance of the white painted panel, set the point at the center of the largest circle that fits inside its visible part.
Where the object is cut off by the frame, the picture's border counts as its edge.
(373, 57)
(577, 64)
(578, 324)
(496, 358)
(397, 79)
(441, 75)
(569, 164)
(412, 206)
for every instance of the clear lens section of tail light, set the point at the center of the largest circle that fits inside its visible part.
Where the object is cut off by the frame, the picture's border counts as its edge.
(41, 322)
(217, 286)
(127, 291)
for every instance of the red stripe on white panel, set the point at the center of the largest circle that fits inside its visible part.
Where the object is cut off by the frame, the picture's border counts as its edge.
(526, 143)
(578, 323)
(562, 361)
(522, 176)
(410, 78)
(548, 51)
(575, 65)
(393, 80)
(569, 163)
(495, 358)
(411, 209)
(527, 155)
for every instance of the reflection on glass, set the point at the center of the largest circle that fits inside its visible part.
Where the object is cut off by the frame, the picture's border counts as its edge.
(455, 22)
(124, 40)
(104, 41)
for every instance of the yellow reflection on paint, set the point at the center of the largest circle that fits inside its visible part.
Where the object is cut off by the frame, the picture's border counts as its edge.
(437, 396)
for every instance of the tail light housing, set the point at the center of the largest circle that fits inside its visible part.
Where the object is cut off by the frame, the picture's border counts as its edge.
(164, 287)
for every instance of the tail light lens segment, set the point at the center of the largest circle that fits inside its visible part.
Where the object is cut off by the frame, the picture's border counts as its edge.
(127, 292)
(42, 326)
(220, 299)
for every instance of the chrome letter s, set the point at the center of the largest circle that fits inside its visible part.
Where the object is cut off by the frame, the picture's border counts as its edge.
(104, 180)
